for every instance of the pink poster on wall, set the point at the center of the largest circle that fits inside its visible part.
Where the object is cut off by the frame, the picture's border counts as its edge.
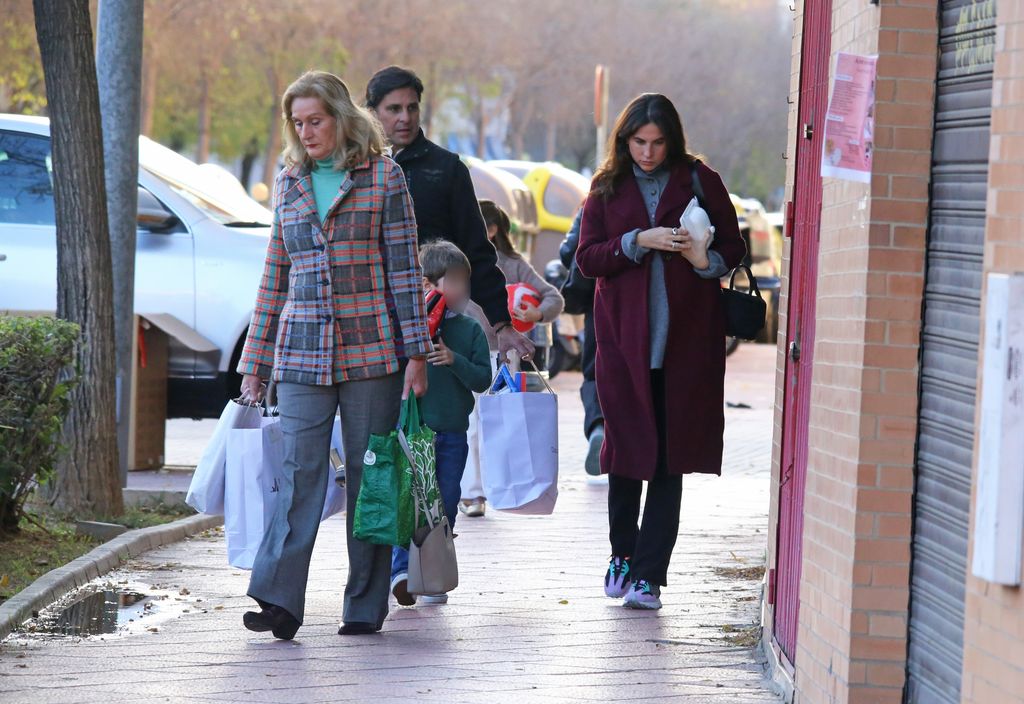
(850, 121)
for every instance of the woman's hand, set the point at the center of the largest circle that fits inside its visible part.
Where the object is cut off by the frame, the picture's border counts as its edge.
(252, 389)
(442, 355)
(528, 313)
(415, 378)
(665, 239)
(676, 239)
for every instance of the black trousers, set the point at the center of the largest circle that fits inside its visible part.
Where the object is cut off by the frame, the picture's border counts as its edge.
(649, 545)
(592, 415)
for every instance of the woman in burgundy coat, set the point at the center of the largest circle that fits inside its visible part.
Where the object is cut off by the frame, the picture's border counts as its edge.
(660, 332)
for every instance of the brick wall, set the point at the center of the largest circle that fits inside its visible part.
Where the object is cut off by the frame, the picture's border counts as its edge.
(862, 426)
(994, 615)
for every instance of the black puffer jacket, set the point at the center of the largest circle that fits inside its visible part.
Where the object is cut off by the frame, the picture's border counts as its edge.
(446, 208)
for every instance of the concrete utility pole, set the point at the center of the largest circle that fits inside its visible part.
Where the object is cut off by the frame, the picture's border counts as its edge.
(119, 71)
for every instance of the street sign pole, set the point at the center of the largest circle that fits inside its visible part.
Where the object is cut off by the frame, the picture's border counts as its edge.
(601, 111)
(119, 72)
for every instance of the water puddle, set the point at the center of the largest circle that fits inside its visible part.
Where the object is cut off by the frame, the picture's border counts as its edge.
(104, 609)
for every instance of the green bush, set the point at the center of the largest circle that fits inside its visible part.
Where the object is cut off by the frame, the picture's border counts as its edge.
(36, 375)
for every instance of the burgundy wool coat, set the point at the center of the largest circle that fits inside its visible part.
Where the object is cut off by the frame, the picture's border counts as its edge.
(694, 366)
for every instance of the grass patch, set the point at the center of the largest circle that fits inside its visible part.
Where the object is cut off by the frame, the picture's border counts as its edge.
(754, 574)
(37, 549)
(742, 636)
(34, 551)
(151, 514)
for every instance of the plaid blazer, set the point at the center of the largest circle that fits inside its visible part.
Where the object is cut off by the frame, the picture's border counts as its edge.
(343, 299)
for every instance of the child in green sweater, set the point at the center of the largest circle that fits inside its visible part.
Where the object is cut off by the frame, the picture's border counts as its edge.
(458, 366)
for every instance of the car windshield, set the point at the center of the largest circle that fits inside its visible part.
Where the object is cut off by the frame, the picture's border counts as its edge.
(213, 190)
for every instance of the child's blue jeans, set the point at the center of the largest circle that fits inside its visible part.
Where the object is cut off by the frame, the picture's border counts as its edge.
(451, 450)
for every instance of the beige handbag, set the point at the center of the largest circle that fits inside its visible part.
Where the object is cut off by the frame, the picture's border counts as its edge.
(433, 567)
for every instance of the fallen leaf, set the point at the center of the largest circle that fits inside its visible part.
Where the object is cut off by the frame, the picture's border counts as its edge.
(4, 580)
(563, 601)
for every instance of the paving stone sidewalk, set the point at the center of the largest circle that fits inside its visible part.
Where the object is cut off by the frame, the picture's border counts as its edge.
(529, 622)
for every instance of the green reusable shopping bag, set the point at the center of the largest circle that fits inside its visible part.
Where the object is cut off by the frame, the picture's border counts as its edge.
(418, 442)
(384, 508)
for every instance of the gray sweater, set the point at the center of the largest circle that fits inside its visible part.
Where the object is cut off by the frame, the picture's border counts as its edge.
(652, 185)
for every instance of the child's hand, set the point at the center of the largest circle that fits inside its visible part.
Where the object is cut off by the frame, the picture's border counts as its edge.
(528, 313)
(442, 355)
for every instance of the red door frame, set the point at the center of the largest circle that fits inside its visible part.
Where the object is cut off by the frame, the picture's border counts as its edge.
(803, 275)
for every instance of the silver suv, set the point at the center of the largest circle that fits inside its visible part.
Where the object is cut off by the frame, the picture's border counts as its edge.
(200, 251)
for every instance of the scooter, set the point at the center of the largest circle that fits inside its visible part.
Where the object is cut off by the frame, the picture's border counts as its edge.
(566, 330)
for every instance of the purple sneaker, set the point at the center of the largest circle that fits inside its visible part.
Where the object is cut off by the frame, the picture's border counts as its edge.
(643, 595)
(617, 580)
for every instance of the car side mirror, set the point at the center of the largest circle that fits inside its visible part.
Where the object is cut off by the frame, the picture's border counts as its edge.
(153, 215)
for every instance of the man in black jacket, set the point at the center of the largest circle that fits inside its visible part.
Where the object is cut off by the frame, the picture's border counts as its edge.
(583, 297)
(443, 196)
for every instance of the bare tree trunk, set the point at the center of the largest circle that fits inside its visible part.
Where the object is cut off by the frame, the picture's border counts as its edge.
(551, 142)
(252, 152)
(274, 134)
(203, 143)
(148, 106)
(87, 480)
(481, 131)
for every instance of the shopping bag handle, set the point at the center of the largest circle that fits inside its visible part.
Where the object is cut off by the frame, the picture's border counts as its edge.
(409, 418)
(504, 365)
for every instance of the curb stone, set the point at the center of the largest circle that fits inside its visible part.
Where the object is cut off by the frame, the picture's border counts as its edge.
(98, 561)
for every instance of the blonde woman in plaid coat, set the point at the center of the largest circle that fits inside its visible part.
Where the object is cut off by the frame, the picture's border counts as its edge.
(339, 315)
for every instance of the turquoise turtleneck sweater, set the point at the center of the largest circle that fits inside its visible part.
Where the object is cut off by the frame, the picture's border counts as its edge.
(326, 184)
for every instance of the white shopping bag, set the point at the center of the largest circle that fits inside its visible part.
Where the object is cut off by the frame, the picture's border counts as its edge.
(336, 497)
(254, 470)
(206, 492)
(519, 448)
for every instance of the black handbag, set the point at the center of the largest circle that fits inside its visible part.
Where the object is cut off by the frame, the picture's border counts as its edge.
(744, 310)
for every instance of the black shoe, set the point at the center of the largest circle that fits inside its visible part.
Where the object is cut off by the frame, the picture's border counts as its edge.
(357, 628)
(273, 618)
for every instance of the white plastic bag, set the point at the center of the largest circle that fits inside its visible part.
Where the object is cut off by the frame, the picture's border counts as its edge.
(695, 221)
(519, 448)
(206, 492)
(254, 469)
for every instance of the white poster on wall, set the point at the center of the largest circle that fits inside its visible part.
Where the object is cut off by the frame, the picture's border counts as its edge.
(850, 120)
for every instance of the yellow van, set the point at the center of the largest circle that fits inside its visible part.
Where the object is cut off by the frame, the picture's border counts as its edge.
(559, 192)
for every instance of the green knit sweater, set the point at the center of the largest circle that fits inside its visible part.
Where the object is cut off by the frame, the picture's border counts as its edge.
(326, 184)
(449, 399)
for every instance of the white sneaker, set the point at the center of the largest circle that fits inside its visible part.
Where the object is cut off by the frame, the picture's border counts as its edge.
(434, 598)
(472, 508)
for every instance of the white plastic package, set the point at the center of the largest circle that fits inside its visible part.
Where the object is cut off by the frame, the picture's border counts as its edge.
(695, 221)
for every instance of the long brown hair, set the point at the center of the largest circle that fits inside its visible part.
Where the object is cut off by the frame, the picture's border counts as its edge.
(494, 215)
(649, 108)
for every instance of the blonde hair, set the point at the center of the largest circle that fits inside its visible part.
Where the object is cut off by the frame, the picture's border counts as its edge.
(360, 135)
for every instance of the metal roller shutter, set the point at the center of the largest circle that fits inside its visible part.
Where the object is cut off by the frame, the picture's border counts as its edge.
(949, 349)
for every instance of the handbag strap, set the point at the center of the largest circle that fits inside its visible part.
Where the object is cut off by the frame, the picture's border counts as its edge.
(698, 190)
(754, 291)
